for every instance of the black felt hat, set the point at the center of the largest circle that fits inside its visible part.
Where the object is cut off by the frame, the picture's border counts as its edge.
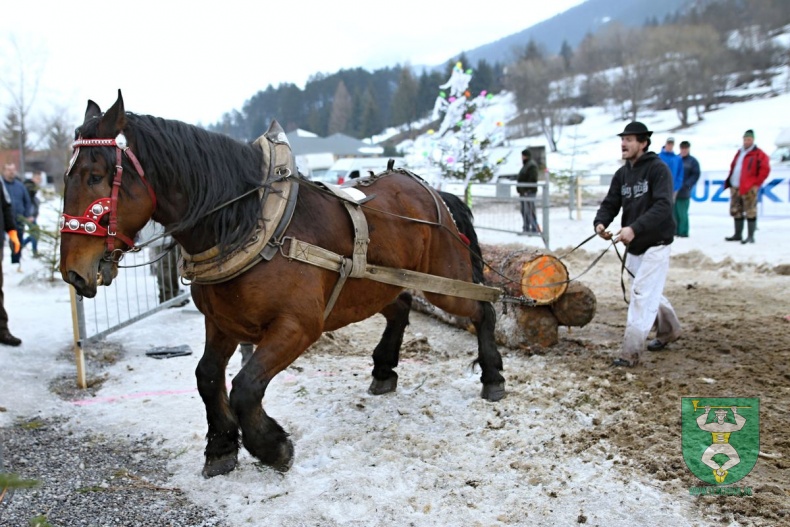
(635, 128)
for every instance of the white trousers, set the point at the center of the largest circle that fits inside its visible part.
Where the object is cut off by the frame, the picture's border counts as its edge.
(648, 305)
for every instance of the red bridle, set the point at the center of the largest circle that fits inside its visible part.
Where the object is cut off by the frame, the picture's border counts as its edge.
(89, 222)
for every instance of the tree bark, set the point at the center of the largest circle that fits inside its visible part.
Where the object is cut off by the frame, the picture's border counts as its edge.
(523, 272)
(576, 307)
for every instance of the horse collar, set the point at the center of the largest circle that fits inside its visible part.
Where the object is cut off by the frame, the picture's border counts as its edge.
(88, 223)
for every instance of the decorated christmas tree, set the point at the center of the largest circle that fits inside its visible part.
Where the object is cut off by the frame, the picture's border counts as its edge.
(461, 147)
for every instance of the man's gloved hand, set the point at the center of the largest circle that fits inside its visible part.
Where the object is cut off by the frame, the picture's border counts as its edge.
(14, 237)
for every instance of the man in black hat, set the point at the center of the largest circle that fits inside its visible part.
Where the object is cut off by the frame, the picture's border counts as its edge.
(642, 188)
(528, 174)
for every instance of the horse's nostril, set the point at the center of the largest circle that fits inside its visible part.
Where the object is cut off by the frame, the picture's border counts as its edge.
(76, 280)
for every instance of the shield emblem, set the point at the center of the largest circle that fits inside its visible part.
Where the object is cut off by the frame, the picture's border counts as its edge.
(720, 437)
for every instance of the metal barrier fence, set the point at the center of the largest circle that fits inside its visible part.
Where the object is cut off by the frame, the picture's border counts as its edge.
(497, 207)
(586, 191)
(147, 282)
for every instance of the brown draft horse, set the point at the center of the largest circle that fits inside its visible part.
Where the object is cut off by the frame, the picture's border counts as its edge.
(183, 177)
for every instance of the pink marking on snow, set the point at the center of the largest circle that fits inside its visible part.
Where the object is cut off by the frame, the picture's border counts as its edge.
(138, 395)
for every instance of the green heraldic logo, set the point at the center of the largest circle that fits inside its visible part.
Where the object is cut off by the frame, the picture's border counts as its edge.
(721, 437)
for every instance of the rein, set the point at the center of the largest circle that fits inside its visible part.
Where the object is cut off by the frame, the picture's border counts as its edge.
(89, 223)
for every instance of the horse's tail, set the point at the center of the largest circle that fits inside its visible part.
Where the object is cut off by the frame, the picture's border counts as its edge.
(464, 220)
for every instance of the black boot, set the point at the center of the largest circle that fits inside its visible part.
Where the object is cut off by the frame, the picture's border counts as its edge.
(738, 236)
(751, 226)
(7, 339)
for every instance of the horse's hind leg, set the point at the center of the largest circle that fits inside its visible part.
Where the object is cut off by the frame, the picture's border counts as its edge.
(385, 356)
(487, 353)
(222, 444)
(483, 317)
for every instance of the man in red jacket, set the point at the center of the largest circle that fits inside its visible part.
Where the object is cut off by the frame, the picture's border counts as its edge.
(749, 169)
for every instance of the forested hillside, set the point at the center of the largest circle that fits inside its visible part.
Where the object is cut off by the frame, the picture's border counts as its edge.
(690, 60)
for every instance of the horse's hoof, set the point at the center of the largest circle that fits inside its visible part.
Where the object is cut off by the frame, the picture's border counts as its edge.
(379, 387)
(219, 466)
(285, 459)
(493, 392)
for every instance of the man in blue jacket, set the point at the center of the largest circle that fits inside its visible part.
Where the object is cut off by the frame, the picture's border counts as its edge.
(675, 164)
(21, 206)
(642, 188)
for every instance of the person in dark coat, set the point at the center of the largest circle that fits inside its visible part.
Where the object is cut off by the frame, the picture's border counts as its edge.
(21, 205)
(691, 174)
(33, 185)
(8, 225)
(528, 174)
(642, 188)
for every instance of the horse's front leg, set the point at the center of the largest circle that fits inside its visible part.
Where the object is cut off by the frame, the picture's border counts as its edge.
(222, 439)
(387, 352)
(261, 435)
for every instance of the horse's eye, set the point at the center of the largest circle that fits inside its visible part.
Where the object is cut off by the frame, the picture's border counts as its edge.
(95, 179)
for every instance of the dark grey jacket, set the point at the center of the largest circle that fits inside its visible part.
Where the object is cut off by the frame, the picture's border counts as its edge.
(691, 174)
(644, 192)
(528, 174)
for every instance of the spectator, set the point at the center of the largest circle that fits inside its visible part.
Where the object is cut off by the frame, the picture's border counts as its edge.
(8, 225)
(675, 164)
(528, 175)
(21, 208)
(642, 188)
(690, 177)
(33, 185)
(749, 169)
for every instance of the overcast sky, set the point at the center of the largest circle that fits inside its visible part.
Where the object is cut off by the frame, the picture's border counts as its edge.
(195, 61)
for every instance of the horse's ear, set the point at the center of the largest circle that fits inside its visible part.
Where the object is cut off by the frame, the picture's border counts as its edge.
(114, 120)
(92, 111)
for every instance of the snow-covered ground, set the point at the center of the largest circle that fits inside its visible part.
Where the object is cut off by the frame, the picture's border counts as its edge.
(339, 482)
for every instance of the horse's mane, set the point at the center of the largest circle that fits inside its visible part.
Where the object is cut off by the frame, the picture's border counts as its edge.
(185, 163)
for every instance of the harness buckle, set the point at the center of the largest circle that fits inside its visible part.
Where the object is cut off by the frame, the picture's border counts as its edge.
(115, 256)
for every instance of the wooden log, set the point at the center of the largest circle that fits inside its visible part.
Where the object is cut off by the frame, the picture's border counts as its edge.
(527, 326)
(576, 307)
(419, 303)
(518, 326)
(531, 273)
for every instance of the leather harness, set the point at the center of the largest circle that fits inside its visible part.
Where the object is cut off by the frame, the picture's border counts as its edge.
(209, 268)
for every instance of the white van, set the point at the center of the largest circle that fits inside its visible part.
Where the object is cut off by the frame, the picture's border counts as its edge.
(781, 156)
(353, 167)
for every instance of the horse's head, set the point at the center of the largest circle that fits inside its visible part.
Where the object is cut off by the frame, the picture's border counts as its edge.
(106, 200)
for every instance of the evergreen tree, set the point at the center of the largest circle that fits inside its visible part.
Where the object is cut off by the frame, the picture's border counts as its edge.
(342, 106)
(483, 79)
(10, 134)
(533, 52)
(566, 52)
(404, 101)
(426, 92)
(370, 123)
